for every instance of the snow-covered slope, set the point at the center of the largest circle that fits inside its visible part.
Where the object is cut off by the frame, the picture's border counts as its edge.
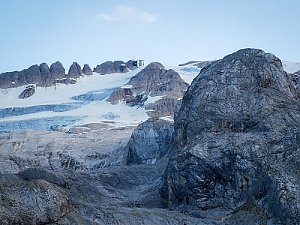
(74, 105)
(81, 103)
(291, 67)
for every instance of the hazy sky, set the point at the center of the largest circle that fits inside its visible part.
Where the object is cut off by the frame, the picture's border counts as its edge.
(171, 32)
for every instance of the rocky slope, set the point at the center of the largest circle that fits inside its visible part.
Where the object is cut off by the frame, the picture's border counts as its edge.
(238, 138)
(155, 88)
(232, 156)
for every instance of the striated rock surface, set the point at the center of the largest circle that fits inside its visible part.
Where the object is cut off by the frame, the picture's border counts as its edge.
(87, 70)
(149, 142)
(31, 202)
(75, 70)
(238, 137)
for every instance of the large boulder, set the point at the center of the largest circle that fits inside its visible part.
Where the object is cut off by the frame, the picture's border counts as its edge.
(87, 70)
(28, 92)
(31, 202)
(149, 142)
(238, 137)
(74, 71)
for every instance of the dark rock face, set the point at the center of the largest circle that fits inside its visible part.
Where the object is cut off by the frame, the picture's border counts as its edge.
(238, 137)
(32, 74)
(87, 70)
(57, 70)
(131, 64)
(120, 94)
(28, 92)
(111, 67)
(45, 75)
(11, 79)
(31, 202)
(149, 142)
(75, 70)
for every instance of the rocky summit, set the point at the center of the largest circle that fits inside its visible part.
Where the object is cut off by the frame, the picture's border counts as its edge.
(230, 157)
(156, 88)
(238, 137)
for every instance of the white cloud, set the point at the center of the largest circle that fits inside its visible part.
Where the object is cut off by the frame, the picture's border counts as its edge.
(124, 12)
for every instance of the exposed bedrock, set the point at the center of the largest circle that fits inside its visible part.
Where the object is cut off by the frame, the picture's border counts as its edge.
(238, 136)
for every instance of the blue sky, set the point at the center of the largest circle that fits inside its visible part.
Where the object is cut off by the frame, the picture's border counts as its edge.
(171, 32)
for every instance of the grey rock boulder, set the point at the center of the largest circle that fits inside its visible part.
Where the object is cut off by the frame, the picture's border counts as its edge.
(149, 142)
(28, 92)
(74, 71)
(238, 137)
(87, 70)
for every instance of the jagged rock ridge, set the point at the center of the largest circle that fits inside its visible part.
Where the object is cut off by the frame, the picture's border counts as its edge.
(238, 138)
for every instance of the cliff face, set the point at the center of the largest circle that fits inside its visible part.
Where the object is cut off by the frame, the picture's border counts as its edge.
(238, 137)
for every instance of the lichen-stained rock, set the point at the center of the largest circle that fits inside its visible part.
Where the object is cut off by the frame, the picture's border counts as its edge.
(31, 202)
(149, 142)
(238, 137)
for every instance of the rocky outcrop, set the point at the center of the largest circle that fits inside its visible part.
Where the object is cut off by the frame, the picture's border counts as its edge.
(57, 70)
(111, 67)
(149, 142)
(28, 92)
(75, 70)
(46, 78)
(87, 70)
(31, 202)
(155, 87)
(32, 74)
(238, 137)
(121, 94)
